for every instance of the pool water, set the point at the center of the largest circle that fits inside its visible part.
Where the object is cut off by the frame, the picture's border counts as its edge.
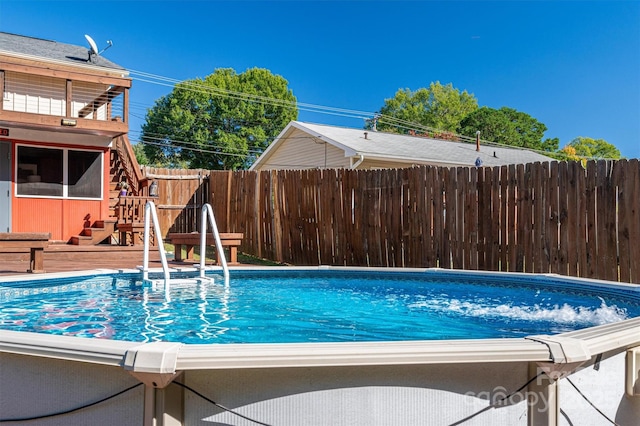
(311, 306)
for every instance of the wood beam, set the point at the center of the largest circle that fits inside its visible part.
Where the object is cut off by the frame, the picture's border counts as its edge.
(50, 122)
(35, 68)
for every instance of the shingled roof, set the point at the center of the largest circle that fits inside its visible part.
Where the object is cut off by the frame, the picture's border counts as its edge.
(406, 148)
(49, 49)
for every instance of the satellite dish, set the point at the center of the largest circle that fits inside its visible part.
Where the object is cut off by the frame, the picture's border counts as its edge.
(93, 51)
(92, 44)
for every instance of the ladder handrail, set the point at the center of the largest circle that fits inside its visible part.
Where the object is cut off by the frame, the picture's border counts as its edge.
(150, 211)
(207, 211)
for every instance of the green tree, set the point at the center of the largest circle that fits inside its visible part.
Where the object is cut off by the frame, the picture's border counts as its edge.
(438, 107)
(589, 148)
(223, 121)
(508, 126)
(141, 157)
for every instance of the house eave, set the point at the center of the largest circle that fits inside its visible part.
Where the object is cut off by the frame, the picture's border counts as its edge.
(406, 160)
(92, 69)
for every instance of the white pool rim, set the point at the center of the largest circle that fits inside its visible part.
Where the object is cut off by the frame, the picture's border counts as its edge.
(168, 357)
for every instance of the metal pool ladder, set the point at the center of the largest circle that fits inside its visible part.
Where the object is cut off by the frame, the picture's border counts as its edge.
(207, 213)
(150, 212)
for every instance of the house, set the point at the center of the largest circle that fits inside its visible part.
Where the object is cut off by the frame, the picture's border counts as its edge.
(63, 139)
(305, 145)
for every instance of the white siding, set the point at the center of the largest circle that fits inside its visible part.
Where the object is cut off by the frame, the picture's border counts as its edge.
(47, 95)
(301, 151)
(34, 94)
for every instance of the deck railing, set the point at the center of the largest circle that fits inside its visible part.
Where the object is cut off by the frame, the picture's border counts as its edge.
(48, 95)
(130, 208)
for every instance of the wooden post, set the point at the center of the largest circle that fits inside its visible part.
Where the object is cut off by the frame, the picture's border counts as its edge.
(2, 85)
(69, 99)
(125, 105)
(277, 220)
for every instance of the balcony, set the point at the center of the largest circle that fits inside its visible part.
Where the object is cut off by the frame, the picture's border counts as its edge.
(61, 100)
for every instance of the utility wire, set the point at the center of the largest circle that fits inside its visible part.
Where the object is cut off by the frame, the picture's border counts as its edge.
(201, 88)
(591, 403)
(60, 413)
(222, 407)
(205, 151)
(501, 400)
(498, 402)
(194, 86)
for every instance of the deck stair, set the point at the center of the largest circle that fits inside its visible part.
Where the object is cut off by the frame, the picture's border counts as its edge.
(125, 210)
(100, 231)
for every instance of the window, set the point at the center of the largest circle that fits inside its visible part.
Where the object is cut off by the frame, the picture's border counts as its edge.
(39, 171)
(85, 173)
(54, 172)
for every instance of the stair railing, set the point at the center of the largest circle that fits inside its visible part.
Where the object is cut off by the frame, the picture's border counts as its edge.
(131, 208)
(130, 165)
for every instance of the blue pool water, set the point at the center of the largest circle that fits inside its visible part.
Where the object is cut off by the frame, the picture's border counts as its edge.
(311, 306)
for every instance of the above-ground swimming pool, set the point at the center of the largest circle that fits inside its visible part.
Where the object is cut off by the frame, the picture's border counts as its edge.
(319, 346)
(293, 305)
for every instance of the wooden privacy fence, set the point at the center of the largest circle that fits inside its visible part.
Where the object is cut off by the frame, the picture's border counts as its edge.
(553, 217)
(181, 194)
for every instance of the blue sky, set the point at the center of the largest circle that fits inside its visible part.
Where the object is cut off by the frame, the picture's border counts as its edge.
(574, 66)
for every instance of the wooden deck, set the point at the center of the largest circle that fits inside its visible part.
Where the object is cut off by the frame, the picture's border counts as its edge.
(67, 257)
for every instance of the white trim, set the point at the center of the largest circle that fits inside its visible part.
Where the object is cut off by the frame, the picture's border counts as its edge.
(409, 160)
(622, 335)
(359, 161)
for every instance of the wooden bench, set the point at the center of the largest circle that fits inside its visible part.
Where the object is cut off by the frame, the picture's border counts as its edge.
(232, 240)
(34, 242)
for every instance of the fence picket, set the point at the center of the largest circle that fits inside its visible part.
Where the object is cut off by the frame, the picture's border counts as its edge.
(632, 182)
(559, 217)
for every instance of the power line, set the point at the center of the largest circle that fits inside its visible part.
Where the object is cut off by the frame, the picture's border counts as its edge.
(202, 88)
(194, 86)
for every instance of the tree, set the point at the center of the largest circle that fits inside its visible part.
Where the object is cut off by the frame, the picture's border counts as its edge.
(589, 148)
(141, 157)
(508, 126)
(223, 121)
(438, 107)
(567, 153)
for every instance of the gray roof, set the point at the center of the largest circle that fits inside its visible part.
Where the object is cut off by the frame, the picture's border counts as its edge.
(48, 49)
(408, 148)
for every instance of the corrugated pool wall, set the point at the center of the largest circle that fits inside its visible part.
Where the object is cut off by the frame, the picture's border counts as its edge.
(558, 217)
